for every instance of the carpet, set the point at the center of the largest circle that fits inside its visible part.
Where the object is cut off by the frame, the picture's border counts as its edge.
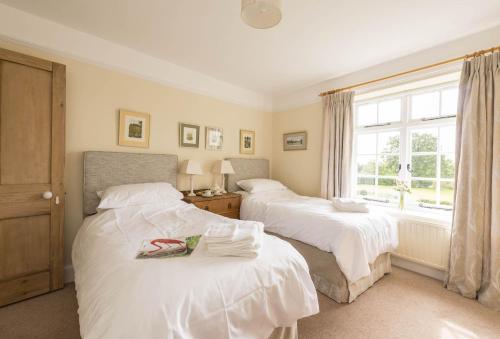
(401, 305)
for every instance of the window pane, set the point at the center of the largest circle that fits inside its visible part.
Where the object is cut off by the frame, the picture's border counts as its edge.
(366, 164)
(447, 193)
(388, 142)
(388, 165)
(448, 166)
(423, 166)
(447, 139)
(425, 105)
(365, 187)
(367, 144)
(449, 100)
(367, 114)
(389, 110)
(423, 191)
(424, 140)
(385, 189)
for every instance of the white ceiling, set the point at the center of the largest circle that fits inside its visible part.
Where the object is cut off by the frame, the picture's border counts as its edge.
(316, 40)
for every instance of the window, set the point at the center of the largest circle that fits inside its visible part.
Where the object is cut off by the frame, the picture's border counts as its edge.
(408, 136)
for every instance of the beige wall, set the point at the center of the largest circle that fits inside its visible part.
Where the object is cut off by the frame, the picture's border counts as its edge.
(299, 170)
(94, 96)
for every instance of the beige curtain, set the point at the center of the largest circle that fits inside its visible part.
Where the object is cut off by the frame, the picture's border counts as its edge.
(338, 128)
(475, 244)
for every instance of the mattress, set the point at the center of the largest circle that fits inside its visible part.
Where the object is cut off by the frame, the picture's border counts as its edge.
(187, 297)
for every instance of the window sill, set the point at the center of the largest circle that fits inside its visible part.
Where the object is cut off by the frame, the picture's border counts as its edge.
(433, 217)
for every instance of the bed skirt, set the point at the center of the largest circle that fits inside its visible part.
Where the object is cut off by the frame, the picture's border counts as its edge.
(289, 332)
(329, 279)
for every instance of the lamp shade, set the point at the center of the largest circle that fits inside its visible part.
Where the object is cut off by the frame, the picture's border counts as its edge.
(261, 13)
(190, 167)
(223, 167)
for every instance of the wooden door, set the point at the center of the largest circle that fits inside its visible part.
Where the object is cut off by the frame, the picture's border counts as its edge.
(32, 112)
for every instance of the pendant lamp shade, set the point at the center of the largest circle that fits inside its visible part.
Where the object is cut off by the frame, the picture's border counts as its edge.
(261, 14)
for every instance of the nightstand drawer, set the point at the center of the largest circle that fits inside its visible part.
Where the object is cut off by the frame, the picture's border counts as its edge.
(227, 205)
(220, 205)
(233, 214)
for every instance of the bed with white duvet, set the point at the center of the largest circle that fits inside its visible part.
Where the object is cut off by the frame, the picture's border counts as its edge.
(199, 296)
(356, 239)
(195, 296)
(346, 252)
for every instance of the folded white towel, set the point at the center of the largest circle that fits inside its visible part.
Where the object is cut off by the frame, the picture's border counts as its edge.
(242, 239)
(350, 205)
(221, 233)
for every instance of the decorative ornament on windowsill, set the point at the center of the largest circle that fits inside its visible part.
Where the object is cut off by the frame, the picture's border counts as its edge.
(403, 188)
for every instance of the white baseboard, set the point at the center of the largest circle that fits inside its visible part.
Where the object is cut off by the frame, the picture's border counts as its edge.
(418, 268)
(69, 275)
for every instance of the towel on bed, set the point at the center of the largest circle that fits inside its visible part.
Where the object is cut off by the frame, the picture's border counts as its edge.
(243, 240)
(350, 205)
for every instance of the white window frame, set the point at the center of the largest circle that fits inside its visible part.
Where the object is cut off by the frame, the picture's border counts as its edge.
(405, 126)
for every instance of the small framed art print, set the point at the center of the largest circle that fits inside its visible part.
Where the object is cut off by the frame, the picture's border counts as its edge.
(134, 129)
(189, 135)
(213, 138)
(247, 142)
(295, 141)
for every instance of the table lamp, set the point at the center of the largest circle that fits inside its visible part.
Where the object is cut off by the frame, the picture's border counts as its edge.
(191, 167)
(223, 167)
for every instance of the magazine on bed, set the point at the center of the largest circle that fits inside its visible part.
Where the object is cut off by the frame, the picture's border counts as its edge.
(175, 247)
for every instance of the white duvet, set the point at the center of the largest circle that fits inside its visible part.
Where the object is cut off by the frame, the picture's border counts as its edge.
(356, 239)
(199, 296)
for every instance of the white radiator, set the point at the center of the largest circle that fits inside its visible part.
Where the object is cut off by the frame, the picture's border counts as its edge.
(423, 242)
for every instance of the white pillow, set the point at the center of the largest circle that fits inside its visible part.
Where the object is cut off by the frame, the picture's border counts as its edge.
(261, 185)
(138, 194)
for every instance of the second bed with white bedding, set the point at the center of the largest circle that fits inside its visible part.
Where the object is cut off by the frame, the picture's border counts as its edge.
(355, 239)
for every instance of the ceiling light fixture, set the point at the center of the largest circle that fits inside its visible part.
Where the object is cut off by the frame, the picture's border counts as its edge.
(261, 14)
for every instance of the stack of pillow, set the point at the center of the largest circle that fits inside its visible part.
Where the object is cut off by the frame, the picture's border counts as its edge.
(242, 239)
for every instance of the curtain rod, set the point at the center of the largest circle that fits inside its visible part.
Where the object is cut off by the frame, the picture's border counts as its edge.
(449, 61)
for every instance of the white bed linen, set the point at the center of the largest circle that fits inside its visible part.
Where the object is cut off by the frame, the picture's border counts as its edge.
(199, 296)
(356, 239)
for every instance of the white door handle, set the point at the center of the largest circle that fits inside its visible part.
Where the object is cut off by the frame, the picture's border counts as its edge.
(47, 195)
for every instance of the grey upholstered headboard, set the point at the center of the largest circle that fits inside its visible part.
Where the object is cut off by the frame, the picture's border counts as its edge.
(245, 168)
(105, 169)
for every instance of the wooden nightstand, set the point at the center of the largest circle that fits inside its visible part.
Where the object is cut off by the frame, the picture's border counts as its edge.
(227, 204)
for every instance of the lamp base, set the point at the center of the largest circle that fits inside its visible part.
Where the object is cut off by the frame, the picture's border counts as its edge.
(191, 194)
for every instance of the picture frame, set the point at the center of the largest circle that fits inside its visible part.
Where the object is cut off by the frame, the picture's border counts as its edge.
(247, 142)
(189, 135)
(295, 141)
(214, 138)
(133, 129)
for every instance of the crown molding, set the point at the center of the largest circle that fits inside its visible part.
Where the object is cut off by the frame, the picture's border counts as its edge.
(33, 31)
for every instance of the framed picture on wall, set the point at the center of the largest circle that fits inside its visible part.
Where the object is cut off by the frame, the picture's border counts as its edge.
(189, 135)
(213, 138)
(134, 129)
(295, 141)
(247, 142)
